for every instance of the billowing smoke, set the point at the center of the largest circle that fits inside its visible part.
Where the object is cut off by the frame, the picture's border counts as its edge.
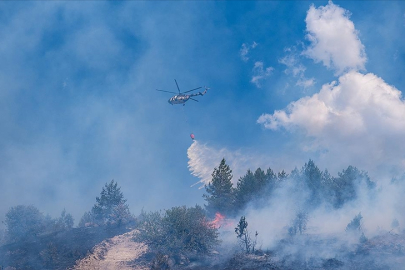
(358, 120)
(203, 158)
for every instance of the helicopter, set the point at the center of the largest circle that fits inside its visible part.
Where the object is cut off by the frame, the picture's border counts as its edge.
(181, 97)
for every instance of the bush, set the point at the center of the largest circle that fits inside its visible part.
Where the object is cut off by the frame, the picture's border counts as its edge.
(179, 232)
(245, 241)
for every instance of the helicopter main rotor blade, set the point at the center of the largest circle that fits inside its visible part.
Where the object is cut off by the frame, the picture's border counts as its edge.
(194, 99)
(192, 89)
(177, 86)
(166, 91)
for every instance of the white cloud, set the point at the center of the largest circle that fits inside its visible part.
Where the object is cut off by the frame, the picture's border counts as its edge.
(294, 67)
(292, 64)
(334, 40)
(244, 51)
(305, 82)
(260, 73)
(358, 121)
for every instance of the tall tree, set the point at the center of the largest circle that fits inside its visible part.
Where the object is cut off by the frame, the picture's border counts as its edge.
(64, 222)
(271, 179)
(110, 207)
(346, 185)
(312, 176)
(283, 175)
(252, 187)
(299, 224)
(244, 189)
(220, 197)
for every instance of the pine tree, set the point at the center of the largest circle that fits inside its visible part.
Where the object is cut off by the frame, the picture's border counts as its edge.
(282, 175)
(110, 207)
(65, 221)
(244, 189)
(312, 177)
(252, 187)
(355, 224)
(345, 185)
(220, 191)
(271, 179)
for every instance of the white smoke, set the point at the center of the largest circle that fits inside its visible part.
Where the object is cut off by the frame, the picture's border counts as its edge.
(204, 158)
(358, 120)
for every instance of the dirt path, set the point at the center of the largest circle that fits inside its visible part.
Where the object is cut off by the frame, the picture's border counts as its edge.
(114, 253)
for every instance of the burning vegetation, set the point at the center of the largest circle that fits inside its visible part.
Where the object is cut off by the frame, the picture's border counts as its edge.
(306, 219)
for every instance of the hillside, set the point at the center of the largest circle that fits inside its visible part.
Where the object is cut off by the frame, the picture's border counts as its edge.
(58, 250)
(117, 252)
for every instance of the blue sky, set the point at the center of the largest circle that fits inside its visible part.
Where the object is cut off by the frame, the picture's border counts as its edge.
(78, 105)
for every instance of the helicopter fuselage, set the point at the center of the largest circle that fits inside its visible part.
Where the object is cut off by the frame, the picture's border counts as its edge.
(179, 99)
(182, 98)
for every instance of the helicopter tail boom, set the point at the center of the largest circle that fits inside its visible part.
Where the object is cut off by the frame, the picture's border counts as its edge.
(203, 93)
(199, 93)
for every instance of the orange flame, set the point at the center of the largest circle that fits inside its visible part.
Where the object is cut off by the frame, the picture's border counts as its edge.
(220, 221)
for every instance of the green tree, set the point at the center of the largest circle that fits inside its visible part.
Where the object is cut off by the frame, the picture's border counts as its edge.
(24, 222)
(245, 188)
(260, 178)
(329, 187)
(110, 207)
(282, 175)
(345, 185)
(271, 180)
(65, 221)
(312, 177)
(87, 220)
(220, 191)
(355, 224)
(299, 224)
(252, 187)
